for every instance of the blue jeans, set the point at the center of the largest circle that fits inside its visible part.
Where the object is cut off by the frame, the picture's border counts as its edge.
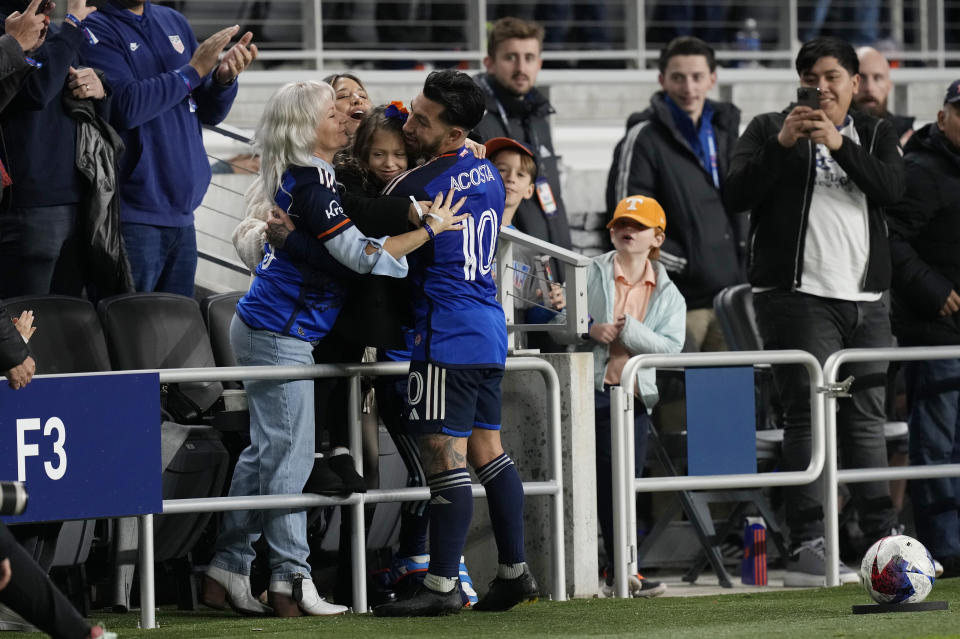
(277, 461)
(822, 326)
(641, 426)
(39, 251)
(933, 393)
(162, 258)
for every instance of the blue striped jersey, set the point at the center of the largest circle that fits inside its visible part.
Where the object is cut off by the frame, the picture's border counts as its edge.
(298, 290)
(459, 322)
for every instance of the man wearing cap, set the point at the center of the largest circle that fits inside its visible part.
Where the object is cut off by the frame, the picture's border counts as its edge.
(634, 308)
(816, 182)
(874, 91)
(678, 150)
(924, 235)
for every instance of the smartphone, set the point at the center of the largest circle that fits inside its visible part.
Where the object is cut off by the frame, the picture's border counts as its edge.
(42, 7)
(808, 97)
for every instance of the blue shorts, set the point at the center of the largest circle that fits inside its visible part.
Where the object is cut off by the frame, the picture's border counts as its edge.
(452, 401)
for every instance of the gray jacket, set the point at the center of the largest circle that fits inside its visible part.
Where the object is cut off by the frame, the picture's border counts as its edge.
(663, 330)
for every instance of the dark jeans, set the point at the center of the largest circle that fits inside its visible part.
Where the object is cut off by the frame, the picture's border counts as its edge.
(38, 251)
(821, 327)
(641, 426)
(933, 393)
(162, 258)
(33, 596)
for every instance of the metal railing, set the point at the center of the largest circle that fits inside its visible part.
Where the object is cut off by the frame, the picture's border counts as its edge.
(832, 477)
(625, 485)
(575, 318)
(552, 487)
(323, 34)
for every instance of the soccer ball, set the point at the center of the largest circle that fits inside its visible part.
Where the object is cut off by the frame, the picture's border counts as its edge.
(897, 569)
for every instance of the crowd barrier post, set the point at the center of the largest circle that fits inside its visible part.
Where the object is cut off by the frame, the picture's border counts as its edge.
(552, 488)
(832, 477)
(622, 443)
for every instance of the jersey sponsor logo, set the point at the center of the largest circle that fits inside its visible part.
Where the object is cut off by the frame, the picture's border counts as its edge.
(134, 46)
(469, 179)
(334, 209)
(177, 43)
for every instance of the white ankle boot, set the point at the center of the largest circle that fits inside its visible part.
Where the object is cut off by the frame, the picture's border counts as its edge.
(235, 592)
(284, 599)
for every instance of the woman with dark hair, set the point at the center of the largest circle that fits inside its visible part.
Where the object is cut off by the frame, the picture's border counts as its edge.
(352, 99)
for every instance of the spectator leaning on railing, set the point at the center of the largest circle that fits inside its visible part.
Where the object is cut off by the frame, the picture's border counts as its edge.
(165, 85)
(815, 181)
(925, 234)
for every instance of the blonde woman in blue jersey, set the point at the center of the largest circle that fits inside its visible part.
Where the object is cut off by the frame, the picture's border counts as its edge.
(292, 303)
(459, 352)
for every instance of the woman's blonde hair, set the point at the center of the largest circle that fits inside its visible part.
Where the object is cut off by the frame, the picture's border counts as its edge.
(286, 134)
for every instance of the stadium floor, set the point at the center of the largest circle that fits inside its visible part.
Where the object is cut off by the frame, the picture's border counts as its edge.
(707, 585)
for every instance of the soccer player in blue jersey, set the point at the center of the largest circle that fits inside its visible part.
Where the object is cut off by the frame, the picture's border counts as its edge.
(459, 351)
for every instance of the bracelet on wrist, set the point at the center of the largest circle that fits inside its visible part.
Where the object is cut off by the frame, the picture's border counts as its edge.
(72, 19)
(429, 231)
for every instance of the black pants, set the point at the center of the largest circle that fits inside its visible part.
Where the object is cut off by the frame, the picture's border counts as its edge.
(641, 426)
(33, 596)
(822, 326)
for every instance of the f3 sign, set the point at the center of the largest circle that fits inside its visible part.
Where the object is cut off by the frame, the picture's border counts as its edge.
(86, 446)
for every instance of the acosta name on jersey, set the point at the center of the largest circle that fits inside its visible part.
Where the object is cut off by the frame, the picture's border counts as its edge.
(475, 177)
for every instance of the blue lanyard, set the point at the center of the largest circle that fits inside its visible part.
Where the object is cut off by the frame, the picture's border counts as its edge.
(712, 149)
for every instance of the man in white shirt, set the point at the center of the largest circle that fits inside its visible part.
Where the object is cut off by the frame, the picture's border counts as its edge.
(815, 181)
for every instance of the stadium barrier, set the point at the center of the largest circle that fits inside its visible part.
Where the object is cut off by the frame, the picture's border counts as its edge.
(575, 286)
(552, 487)
(832, 477)
(625, 485)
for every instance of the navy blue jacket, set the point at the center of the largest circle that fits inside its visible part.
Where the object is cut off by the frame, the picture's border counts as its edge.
(164, 172)
(39, 134)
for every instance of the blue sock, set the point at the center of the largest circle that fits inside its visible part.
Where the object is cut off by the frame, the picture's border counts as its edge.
(451, 509)
(414, 527)
(505, 501)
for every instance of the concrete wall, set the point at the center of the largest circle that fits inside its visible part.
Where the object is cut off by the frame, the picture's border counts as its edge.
(524, 437)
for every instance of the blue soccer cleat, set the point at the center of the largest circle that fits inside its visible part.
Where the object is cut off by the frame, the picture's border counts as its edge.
(467, 592)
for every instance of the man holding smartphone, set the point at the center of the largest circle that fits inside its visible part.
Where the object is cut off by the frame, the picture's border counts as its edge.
(815, 180)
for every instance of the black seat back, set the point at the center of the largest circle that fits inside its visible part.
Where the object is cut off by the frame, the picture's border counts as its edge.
(160, 330)
(734, 308)
(69, 338)
(218, 311)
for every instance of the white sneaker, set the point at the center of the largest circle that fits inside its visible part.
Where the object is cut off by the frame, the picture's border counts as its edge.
(303, 594)
(937, 569)
(806, 567)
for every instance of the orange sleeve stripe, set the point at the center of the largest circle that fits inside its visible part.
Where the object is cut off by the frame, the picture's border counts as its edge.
(331, 230)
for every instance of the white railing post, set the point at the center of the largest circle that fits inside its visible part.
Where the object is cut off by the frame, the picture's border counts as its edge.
(148, 608)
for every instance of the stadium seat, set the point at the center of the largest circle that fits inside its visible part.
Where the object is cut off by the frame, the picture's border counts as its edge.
(218, 311)
(161, 330)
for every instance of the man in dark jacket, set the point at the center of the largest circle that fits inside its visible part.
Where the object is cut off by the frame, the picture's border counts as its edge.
(39, 248)
(517, 110)
(815, 181)
(924, 236)
(678, 151)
